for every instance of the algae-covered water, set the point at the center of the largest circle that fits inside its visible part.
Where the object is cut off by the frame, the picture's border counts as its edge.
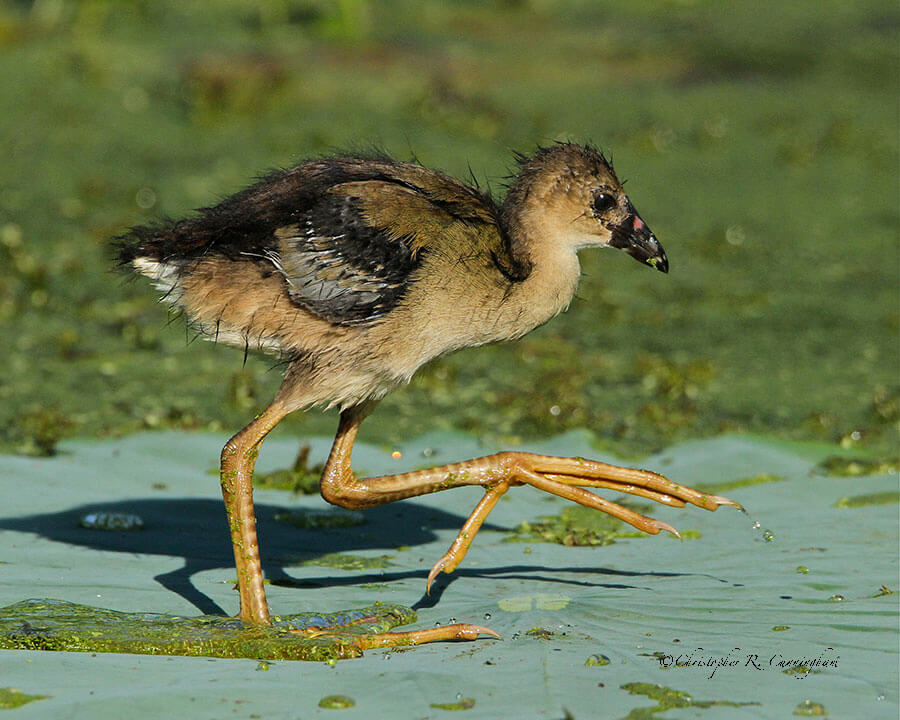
(759, 139)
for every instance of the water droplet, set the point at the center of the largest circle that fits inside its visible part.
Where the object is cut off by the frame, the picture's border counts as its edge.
(735, 235)
(437, 623)
(428, 452)
(459, 696)
(145, 198)
(555, 410)
(487, 616)
(452, 620)
(802, 569)
(768, 536)
(879, 697)
(837, 598)
(111, 521)
(756, 525)
(396, 454)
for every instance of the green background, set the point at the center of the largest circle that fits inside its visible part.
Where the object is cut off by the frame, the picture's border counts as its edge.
(759, 139)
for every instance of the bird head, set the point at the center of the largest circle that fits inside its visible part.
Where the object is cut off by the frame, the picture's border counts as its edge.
(572, 193)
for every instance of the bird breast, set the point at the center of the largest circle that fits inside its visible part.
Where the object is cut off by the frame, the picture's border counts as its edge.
(447, 314)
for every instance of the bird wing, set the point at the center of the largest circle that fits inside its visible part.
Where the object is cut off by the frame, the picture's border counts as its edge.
(347, 234)
(352, 256)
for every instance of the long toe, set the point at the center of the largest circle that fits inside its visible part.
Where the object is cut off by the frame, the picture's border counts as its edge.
(458, 631)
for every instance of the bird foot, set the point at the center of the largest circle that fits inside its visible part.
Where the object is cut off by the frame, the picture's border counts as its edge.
(567, 478)
(410, 638)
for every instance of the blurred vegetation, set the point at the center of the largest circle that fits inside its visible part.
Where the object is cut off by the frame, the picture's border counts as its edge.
(760, 140)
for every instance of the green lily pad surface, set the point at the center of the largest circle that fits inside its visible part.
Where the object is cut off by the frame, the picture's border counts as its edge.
(691, 620)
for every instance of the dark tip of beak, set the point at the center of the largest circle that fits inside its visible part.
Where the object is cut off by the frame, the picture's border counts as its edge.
(661, 263)
(634, 237)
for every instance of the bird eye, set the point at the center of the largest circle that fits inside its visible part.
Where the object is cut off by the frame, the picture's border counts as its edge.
(603, 202)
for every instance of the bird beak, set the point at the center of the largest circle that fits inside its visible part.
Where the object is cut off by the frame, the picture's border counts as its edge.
(634, 237)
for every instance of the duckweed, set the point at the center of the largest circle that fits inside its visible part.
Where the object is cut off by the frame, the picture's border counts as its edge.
(56, 625)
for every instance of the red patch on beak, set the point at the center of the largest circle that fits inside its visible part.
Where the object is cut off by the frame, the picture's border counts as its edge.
(638, 223)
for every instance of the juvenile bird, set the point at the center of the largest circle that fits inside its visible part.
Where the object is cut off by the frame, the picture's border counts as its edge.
(357, 271)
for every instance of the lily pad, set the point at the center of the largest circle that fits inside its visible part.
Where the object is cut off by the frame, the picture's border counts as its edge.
(636, 603)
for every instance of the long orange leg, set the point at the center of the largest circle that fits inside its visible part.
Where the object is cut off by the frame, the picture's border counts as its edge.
(452, 558)
(236, 474)
(565, 477)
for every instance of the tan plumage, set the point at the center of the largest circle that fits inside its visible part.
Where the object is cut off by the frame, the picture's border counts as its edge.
(476, 272)
(360, 270)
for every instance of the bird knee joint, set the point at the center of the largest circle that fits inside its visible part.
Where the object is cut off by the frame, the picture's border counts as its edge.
(342, 497)
(508, 462)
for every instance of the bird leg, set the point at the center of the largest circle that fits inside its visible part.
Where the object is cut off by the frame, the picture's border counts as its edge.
(562, 476)
(453, 557)
(236, 475)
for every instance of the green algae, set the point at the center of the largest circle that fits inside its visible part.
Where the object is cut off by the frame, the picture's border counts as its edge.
(337, 702)
(461, 704)
(540, 633)
(343, 561)
(57, 625)
(577, 526)
(300, 479)
(11, 698)
(667, 699)
(808, 708)
(881, 498)
(723, 487)
(39, 429)
(174, 144)
(854, 467)
(321, 519)
(597, 661)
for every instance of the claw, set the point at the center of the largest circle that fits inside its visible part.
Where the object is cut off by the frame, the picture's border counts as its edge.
(435, 571)
(722, 500)
(668, 528)
(453, 557)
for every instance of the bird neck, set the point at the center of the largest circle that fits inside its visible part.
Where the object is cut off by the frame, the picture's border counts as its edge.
(553, 263)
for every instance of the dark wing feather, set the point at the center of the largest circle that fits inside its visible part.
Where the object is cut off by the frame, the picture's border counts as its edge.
(346, 233)
(340, 267)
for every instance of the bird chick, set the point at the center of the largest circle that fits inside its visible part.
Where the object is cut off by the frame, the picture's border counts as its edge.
(357, 271)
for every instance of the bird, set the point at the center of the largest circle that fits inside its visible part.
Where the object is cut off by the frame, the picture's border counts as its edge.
(357, 269)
